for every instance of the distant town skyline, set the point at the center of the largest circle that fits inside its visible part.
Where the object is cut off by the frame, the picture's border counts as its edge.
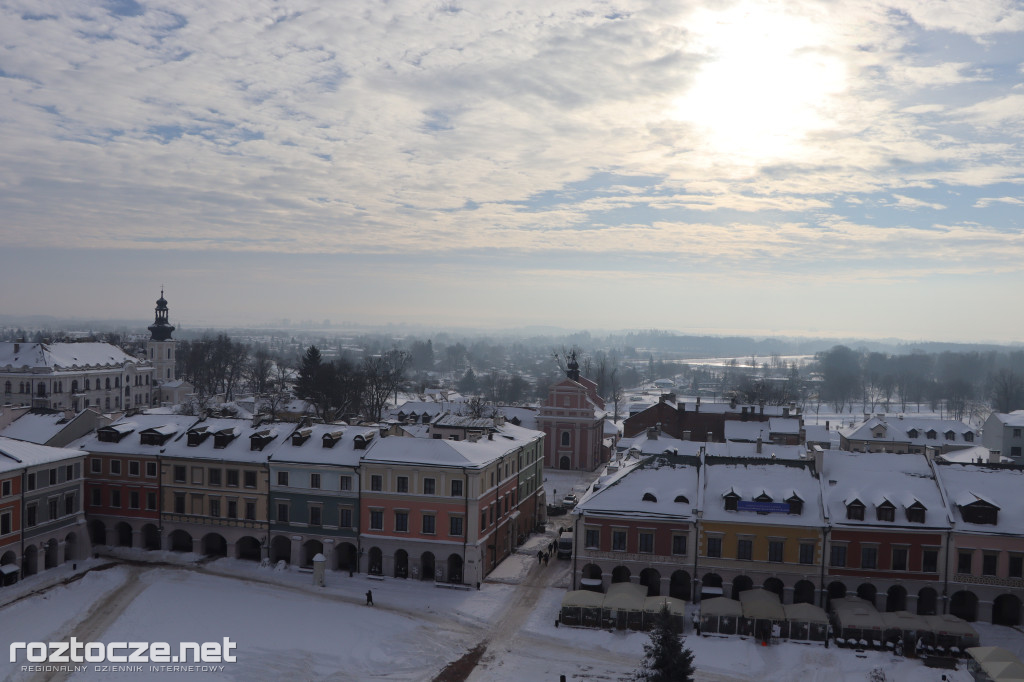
(797, 168)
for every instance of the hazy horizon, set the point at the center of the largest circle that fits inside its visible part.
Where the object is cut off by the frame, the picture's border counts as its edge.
(799, 168)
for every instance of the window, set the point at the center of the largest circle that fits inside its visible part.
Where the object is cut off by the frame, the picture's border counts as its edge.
(314, 481)
(95, 497)
(775, 549)
(618, 540)
(53, 476)
(197, 475)
(179, 503)
(401, 522)
(963, 562)
(1015, 452)
(345, 483)
(151, 501)
(115, 467)
(96, 466)
(133, 499)
(915, 513)
(30, 515)
(282, 512)
(250, 479)
(592, 538)
(215, 476)
(1015, 568)
(483, 520)
(806, 553)
(899, 558)
(71, 503)
(115, 497)
(376, 519)
(988, 563)
(282, 478)
(744, 549)
(730, 501)
(565, 439)
(345, 517)
(133, 468)
(250, 510)
(403, 484)
(179, 474)
(232, 509)
(151, 469)
(455, 526)
(315, 515)
(869, 556)
(233, 478)
(885, 512)
(646, 543)
(855, 511)
(376, 482)
(428, 486)
(837, 555)
(679, 545)
(714, 548)
(429, 524)
(5, 489)
(215, 507)
(5, 523)
(930, 560)
(456, 488)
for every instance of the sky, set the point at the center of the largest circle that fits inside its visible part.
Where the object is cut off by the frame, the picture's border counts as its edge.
(793, 167)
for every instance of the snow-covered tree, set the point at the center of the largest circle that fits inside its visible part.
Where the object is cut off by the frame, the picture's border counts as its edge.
(667, 660)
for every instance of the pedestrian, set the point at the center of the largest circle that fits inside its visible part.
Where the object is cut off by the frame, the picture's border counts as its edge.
(546, 558)
(696, 623)
(540, 555)
(369, 597)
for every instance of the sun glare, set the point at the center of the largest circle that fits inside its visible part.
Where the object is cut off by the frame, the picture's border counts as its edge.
(767, 82)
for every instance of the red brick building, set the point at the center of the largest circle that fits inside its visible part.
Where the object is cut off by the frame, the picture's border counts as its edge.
(572, 419)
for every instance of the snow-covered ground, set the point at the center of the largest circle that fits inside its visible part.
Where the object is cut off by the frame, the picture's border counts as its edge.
(288, 629)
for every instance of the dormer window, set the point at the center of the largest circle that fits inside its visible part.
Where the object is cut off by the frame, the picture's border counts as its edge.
(969, 436)
(223, 437)
(260, 439)
(731, 498)
(855, 510)
(331, 439)
(763, 497)
(930, 433)
(197, 435)
(950, 435)
(885, 511)
(980, 512)
(649, 497)
(301, 436)
(157, 436)
(916, 513)
(796, 505)
(682, 498)
(913, 433)
(362, 440)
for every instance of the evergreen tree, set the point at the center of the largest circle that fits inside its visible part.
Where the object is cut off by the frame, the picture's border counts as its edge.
(666, 658)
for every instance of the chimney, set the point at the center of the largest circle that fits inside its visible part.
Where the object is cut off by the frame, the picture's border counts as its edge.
(762, 407)
(17, 347)
(743, 416)
(759, 442)
(819, 459)
(826, 425)
(785, 412)
(686, 435)
(710, 437)
(994, 457)
(732, 403)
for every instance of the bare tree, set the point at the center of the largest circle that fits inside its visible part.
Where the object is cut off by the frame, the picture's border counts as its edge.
(382, 375)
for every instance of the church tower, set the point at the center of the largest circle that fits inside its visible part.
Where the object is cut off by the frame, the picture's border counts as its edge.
(160, 346)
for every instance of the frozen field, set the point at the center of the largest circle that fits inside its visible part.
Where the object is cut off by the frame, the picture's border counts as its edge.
(287, 629)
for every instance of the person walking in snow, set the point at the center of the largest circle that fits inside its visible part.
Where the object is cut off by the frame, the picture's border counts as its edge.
(369, 597)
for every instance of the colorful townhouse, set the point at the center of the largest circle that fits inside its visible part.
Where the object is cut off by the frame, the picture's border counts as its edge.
(448, 506)
(888, 527)
(314, 495)
(761, 525)
(985, 567)
(215, 486)
(11, 468)
(908, 434)
(639, 526)
(122, 478)
(52, 521)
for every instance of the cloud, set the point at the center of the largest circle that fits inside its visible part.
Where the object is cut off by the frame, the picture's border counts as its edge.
(911, 203)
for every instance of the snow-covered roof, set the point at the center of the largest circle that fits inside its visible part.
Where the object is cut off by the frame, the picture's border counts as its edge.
(750, 480)
(784, 426)
(746, 431)
(35, 427)
(645, 445)
(63, 356)
(17, 454)
(817, 433)
(1014, 419)
(444, 452)
(323, 444)
(873, 477)
(622, 493)
(997, 486)
(911, 429)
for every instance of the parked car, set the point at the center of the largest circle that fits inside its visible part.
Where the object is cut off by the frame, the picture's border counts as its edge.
(569, 500)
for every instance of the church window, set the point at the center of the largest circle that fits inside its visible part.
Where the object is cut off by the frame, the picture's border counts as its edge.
(565, 439)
